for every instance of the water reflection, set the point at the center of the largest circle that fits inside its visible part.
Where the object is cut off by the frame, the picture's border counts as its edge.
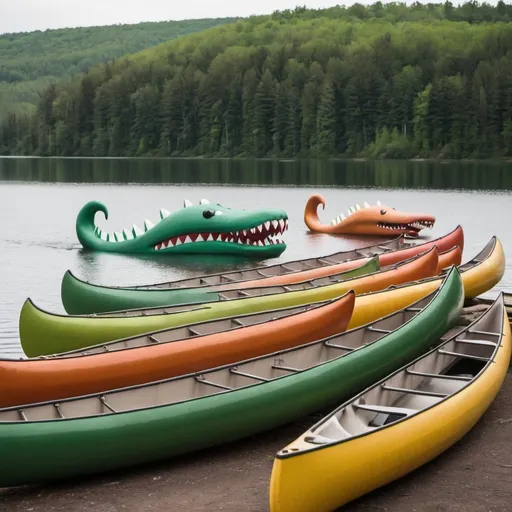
(481, 175)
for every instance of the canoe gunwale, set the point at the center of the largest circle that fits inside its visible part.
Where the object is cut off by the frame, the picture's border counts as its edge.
(499, 301)
(431, 298)
(303, 309)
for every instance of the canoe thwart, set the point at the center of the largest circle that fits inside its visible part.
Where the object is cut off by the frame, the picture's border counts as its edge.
(384, 409)
(202, 380)
(439, 375)
(484, 333)
(483, 343)
(414, 391)
(286, 368)
(376, 329)
(458, 354)
(335, 345)
(103, 400)
(236, 371)
(59, 412)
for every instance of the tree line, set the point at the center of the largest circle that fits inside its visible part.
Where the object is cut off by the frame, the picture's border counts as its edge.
(29, 61)
(384, 81)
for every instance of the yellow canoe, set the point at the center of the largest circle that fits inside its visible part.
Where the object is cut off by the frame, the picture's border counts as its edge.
(44, 333)
(398, 424)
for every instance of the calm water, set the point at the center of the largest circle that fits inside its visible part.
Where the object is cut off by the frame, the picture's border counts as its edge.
(40, 198)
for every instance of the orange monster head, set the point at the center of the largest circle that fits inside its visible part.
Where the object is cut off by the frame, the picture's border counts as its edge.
(367, 220)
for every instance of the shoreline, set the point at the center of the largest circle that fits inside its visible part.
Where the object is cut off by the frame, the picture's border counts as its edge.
(473, 475)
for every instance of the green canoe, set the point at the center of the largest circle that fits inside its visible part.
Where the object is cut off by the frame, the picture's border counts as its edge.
(84, 435)
(82, 298)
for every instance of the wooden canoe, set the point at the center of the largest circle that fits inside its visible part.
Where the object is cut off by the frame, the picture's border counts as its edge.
(82, 298)
(88, 434)
(403, 421)
(42, 333)
(169, 353)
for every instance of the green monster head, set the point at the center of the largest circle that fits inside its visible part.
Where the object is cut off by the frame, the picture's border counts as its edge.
(195, 229)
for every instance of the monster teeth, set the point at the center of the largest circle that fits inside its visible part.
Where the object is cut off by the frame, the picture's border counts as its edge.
(188, 240)
(178, 241)
(165, 244)
(103, 235)
(148, 225)
(164, 213)
(118, 236)
(210, 238)
(128, 235)
(136, 231)
(275, 223)
(267, 225)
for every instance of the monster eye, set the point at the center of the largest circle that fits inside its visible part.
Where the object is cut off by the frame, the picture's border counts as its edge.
(208, 214)
(383, 212)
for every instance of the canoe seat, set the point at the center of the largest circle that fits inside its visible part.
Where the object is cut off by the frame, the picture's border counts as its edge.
(332, 431)
(386, 409)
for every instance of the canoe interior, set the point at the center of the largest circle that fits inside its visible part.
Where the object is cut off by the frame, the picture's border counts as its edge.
(220, 380)
(188, 331)
(433, 378)
(282, 268)
(268, 290)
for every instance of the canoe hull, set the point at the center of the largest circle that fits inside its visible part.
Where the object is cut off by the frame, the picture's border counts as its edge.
(42, 333)
(316, 481)
(51, 379)
(103, 443)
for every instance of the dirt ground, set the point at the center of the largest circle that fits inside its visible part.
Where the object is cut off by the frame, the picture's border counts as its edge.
(473, 476)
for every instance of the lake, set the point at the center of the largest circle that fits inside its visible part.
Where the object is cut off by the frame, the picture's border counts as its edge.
(40, 198)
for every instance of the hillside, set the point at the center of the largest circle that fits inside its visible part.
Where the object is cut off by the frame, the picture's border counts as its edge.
(30, 61)
(391, 81)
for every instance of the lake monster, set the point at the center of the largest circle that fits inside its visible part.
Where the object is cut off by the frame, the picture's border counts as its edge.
(367, 220)
(194, 229)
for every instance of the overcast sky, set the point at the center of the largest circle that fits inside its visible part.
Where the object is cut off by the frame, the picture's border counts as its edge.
(27, 15)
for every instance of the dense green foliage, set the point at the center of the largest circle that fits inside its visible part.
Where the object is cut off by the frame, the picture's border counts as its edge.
(379, 81)
(29, 61)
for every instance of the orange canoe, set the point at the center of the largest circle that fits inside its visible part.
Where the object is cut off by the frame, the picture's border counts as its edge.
(443, 244)
(161, 355)
(449, 258)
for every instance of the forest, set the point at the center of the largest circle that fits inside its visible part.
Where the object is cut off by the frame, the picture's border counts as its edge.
(378, 81)
(30, 61)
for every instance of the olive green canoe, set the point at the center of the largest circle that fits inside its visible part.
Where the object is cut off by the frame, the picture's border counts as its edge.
(84, 435)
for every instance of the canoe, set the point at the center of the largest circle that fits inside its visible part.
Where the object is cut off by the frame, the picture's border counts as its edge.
(42, 333)
(149, 422)
(398, 424)
(45, 333)
(82, 298)
(169, 353)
